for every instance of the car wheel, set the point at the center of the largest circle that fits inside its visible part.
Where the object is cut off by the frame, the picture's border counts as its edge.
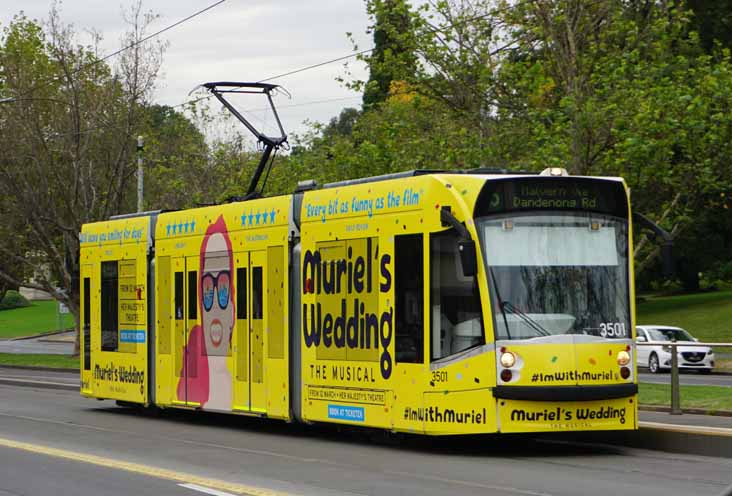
(705, 371)
(653, 364)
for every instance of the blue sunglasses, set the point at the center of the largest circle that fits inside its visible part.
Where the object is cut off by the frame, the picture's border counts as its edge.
(219, 285)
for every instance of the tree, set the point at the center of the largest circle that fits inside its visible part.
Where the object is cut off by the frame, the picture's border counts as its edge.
(392, 58)
(68, 128)
(713, 22)
(176, 157)
(600, 88)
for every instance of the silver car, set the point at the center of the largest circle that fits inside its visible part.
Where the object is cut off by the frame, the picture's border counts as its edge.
(657, 356)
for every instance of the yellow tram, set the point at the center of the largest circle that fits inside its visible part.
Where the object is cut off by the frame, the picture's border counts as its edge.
(433, 303)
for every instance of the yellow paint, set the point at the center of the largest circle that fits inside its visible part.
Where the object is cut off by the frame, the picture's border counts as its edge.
(350, 372)
(533, 416)
(137, 468)
(121, 374)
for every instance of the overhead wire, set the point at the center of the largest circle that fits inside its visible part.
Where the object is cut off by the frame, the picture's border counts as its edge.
(362, 52)
(123, 49)
(278, 76)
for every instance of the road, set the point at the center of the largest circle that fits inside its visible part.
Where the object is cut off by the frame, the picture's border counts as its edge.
(253, 453)
(36, 345)
(687, 378)
(22, 472)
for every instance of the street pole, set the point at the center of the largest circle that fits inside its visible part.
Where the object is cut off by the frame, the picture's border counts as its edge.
(140, 177)
(675, 393)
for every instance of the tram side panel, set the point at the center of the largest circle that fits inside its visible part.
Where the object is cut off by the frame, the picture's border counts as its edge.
(366, 321)
(456, 374)
(115, 334)
(222, 309)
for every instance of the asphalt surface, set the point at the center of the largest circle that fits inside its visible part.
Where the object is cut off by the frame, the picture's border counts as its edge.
(24, 473)
(36, 345)
(319, 460)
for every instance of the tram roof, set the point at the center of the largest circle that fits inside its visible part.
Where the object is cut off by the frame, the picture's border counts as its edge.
(484, 171)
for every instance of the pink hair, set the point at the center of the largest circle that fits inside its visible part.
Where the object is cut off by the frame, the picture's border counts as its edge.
(218, 227)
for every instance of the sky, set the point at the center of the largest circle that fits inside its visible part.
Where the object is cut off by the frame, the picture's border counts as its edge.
(239, 40)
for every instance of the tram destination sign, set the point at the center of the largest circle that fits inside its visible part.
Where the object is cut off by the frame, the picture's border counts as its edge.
(552, 193)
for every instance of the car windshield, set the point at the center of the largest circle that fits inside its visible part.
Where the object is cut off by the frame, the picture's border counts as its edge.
(556, 273)
(662, 334)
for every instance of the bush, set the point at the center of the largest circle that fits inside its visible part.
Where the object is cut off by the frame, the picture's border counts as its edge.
(719, 276)
(13, 299)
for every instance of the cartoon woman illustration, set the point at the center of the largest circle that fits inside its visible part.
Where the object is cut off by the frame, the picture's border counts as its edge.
(206, 379)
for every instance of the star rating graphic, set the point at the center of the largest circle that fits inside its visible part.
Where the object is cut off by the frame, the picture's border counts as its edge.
(252, 218)
(177, 228)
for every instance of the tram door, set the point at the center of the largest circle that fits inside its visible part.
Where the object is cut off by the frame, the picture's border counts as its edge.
(187, 353)
(249, 384)
(88, 289)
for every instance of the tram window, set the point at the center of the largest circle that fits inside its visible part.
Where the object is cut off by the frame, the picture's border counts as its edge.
(456, 322)
(109, 304)
(178, 296)
(241, 293)
(87, 324)
(409, 290)
(192, 295)
(257, 293)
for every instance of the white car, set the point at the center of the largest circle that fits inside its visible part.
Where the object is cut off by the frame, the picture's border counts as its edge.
(657, 356)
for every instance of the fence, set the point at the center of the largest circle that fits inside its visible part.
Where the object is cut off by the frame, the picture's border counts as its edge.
(675, 391)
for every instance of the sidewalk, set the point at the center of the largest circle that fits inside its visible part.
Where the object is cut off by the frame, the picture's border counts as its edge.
(652, 419)
(53, 344)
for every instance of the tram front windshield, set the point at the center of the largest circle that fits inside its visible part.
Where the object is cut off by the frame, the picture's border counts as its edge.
(555, 272)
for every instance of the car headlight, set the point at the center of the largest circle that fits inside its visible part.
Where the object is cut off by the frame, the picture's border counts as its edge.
(667, 349)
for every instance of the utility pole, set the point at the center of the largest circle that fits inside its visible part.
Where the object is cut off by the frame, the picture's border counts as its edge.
(140, 177)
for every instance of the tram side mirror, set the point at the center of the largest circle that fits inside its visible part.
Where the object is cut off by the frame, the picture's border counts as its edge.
(468, 258)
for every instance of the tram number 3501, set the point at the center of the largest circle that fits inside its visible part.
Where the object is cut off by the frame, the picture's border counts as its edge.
(613, 330)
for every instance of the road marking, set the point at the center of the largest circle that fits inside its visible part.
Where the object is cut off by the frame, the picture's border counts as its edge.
(207, 490)
(687, 429)
(137, 468)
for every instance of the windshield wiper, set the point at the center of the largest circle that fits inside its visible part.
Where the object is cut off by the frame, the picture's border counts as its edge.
(531, 322)
(500, 305)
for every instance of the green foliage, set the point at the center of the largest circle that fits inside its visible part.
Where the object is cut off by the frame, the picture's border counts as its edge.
(393, 57)
(13, 299)
(176, 156)
(407, 132)
(713, 21)
(600, 88)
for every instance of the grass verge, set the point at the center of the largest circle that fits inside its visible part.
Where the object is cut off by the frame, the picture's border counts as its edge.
(38, 318)
(706, 397)
(707, 316)
(55, 361)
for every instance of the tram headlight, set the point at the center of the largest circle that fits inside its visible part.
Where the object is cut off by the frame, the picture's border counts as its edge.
(623, 358)
(508, 359)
